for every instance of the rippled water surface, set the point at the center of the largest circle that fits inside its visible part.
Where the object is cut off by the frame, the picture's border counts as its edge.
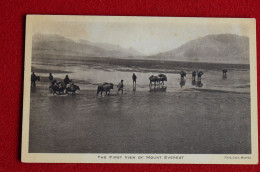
(183, 116)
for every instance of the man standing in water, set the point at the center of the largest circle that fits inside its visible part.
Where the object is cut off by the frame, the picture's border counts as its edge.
(134, 77)
(33, 79)
(120, 86)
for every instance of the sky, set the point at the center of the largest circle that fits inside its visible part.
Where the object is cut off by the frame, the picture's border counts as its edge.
(147, 38)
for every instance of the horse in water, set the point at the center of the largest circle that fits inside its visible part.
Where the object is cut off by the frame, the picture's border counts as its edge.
(154, 79)
(162, 78)
(105, 87)
(194, 75)
(183, 74)
(224, 71)
(72, 88)
(34, 79)
(57, 87)
(200, 73)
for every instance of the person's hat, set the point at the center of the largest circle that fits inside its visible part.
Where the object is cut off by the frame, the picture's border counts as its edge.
(122, 80)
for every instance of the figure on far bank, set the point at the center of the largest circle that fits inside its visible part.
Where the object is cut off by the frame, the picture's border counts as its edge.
(50, 77)
(134, 77)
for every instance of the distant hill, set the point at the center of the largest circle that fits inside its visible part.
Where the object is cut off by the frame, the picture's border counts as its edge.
(52, 44)
(220, 48)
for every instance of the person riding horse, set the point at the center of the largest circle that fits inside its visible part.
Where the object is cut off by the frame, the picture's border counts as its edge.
(66, 80)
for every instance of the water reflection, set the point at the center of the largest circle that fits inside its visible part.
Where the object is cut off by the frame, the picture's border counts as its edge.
(193, 82)
(224, 77)
(199, 84)
(134, 87)
(182, 82)
(157, 88)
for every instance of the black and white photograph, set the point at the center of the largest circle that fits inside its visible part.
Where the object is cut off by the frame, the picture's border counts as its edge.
(140, 90)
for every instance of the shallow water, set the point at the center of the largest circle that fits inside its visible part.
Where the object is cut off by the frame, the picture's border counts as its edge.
(174, 118)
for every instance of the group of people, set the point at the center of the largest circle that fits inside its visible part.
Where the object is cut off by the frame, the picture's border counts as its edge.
(67, 81)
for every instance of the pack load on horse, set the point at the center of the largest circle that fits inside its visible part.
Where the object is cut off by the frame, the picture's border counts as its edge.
(71, 87)
(34, 78)
(162, 78)
(153, 79)
(200, 73)
(57, 87)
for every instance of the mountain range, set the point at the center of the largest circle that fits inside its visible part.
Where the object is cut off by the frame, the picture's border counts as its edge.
(53, 44)
(228, 48)
(218, 48)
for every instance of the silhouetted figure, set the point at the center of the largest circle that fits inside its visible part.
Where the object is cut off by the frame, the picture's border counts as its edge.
(134, 77)
(183, 74)
(120, 86)
(194, 73)
(33, 79)
(50, 77)
(224, 71)
(66, 80)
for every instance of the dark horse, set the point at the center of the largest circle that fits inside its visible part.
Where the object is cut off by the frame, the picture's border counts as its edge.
(57, 87)
(200, 73)
(162, 78)
(183, 74)
(224, 71)
(72, 88)
(34, 79)
(105, 87)
(194, 75)
(153, 79)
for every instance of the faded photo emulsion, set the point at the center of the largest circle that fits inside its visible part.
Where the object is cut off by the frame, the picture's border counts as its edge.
(140, 90)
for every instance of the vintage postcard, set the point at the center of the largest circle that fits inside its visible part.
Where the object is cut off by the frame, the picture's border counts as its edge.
(107, 89)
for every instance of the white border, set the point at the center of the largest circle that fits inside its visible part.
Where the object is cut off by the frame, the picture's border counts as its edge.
(139, 158)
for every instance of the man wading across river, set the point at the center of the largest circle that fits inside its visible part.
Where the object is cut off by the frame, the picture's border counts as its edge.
(120, 86)
(134, 77)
